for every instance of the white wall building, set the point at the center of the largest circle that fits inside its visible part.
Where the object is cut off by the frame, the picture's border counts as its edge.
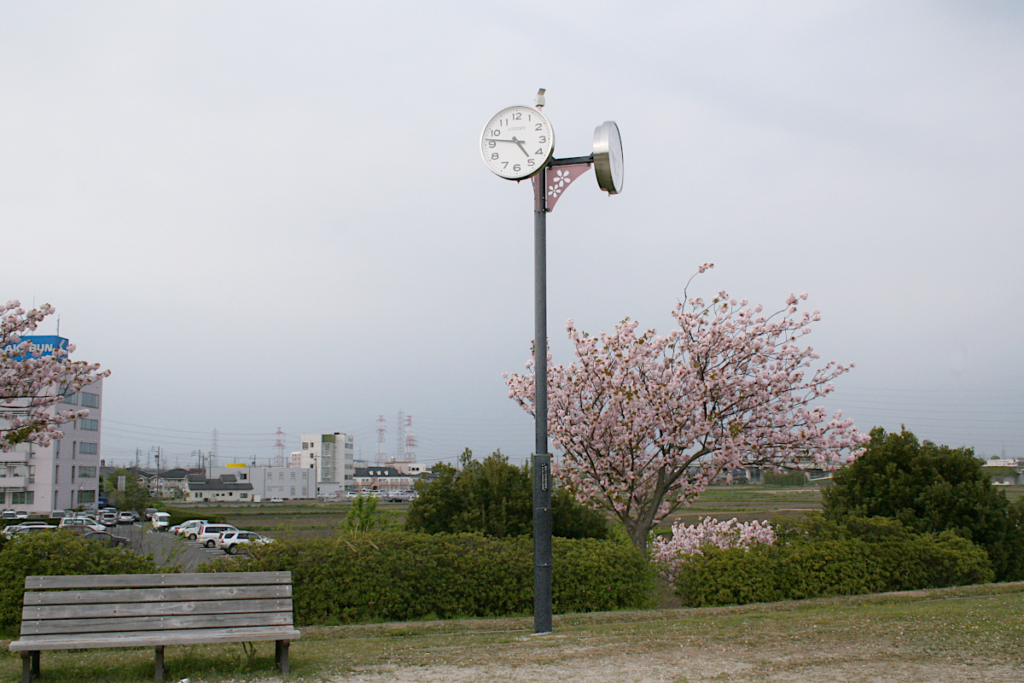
(331, 457)
(287, 483)
(64, 474)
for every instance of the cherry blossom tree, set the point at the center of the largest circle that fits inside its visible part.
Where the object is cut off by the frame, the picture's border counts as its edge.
(33, 384)
(645, 423)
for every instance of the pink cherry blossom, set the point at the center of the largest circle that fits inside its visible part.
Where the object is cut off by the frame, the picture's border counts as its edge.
(643, 423)
(687, 541)
(32, 385)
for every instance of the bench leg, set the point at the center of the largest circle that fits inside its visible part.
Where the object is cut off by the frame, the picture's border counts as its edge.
(159, 676)
(29, 666)
(281, 654)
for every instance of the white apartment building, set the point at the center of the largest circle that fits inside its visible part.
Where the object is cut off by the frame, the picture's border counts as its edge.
(331, 458)
(64, 474)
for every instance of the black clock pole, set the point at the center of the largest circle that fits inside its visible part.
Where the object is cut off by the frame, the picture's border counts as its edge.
(542, 522)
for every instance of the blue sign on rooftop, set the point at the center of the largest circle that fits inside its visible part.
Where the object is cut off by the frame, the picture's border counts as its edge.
(45, 344)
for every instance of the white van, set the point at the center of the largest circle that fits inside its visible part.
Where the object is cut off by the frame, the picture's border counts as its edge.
(160, 521)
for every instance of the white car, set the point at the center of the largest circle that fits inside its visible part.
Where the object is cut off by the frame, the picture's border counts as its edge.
(189, 529)
(231, 541)
(209, 534)
(16, 529)
(80, 524)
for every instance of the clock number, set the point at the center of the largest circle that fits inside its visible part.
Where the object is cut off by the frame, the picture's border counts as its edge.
(504, 164)
(495, 156)
(529, 162)
(539, 127)
(495, 133)
(517, 116)
(492, 144)
(539, 152)
(542, 139)
(517, 168)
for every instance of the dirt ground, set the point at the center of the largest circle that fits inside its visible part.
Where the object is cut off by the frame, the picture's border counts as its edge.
(974, 634)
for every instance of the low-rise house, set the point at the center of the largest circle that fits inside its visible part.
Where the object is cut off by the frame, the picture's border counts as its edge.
(383, 478)
(224, 489)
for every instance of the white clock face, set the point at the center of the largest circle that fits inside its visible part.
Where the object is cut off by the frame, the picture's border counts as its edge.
(517, 142)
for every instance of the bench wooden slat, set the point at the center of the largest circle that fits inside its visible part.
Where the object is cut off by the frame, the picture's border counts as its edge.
(156, 580)
(76, 627)
(139, 610)
(145, 609)
(155, 638)
(130, 595)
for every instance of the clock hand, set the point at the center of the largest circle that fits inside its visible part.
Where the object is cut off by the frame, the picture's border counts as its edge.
(519, 142)
(499, 140)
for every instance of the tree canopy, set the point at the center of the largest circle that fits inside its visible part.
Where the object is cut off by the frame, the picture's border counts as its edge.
(644, 422)
(494, 497)
(930, 488)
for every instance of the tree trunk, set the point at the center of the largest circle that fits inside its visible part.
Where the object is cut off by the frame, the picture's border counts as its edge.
(638, 535)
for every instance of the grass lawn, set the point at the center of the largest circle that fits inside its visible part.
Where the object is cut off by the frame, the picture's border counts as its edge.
(960, 634)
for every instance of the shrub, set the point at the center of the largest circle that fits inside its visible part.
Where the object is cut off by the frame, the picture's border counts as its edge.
(399, 576)
(58, 553)
(821, 558)
(688, 540)
(495, 498)
(930, 488)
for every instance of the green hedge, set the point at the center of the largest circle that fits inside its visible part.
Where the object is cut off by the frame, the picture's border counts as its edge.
(868, 556)
(396, 576)
(59, 553)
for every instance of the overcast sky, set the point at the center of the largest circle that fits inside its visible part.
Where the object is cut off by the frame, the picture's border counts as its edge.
(264, 215)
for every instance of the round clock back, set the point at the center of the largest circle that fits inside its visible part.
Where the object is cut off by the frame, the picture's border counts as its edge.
(608, 157)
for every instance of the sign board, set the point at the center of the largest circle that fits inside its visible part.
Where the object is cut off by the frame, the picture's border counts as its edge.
(235, 464)
(121, 482)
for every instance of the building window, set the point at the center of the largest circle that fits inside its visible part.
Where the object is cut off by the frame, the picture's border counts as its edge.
(85, 472)
(89, 425)
(293, 492)
(23, 497)
(31, 474)
(71, 399)
(88, 448)
(90, 400)
(243, 495)
(305, 446)
(86, 497)
(72, 474)
(293, 476)
(243, 476)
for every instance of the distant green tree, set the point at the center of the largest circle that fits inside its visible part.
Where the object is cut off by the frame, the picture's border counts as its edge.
(930, 488)
(362, 516)
(135, 495)
(494, 497)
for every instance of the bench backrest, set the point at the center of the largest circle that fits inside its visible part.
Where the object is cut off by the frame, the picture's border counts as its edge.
(119, 603)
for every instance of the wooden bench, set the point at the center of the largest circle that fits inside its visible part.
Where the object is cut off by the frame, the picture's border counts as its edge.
(154, 610)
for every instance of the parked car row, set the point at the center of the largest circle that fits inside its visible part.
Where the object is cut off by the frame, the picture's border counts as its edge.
(87, 528)
(224, 536)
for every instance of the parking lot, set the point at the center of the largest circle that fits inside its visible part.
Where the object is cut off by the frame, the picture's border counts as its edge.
(166, 548)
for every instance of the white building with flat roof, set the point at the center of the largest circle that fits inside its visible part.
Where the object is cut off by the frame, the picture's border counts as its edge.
(64, 474)
(331, 457)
